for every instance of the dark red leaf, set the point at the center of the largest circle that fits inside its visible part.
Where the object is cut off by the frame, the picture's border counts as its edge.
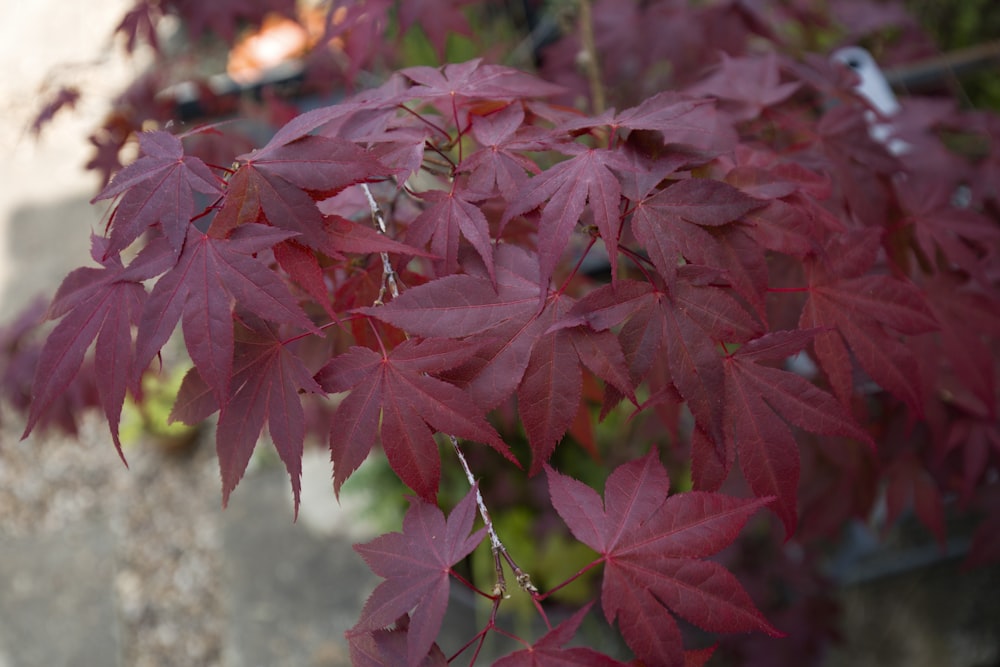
(684, 328)
(755, 397)
(869, 313)
(746, 85)
(158, 188)
(416, 565)
(346, 236)
(670, 226)
(652, 548)
(65, 97)
(961, 235)
(548, 651)
(96, 303)
(448, 217)
(474, 79)
(303, 266)
(969, 319)
(505, 320)
(138, 26)
(518, 349)
(565, 190)
(210, 276)
(395, 395)
(280, 183)
(267, 380)
(389, 647)
(681, 119)
(501, 164)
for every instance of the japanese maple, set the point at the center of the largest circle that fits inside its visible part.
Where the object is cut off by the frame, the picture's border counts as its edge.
(727, 263)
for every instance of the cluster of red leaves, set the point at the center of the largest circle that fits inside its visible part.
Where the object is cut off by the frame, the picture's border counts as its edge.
(773, 269)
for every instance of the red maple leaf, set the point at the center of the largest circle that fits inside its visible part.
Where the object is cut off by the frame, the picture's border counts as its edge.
(969, 318)
(139, 25)
(687, 219)
(388, 646)
(961, 235)
(211, 274)
(563, 192)
(266, 381)
(978, 441)
(549, 650)
(680, 328)
(417, 564)
(661, 221)
(475, 79)
(449, 216)
(652, 548)
(303, 266)
(64, 98)
(860, 165)
(518, 347)
(746, 85)
(869, 313)
(680, 119)
(282, 182)
(393, 394)
(105, 304)
(759, 400)
(158, 188)
(500, 163)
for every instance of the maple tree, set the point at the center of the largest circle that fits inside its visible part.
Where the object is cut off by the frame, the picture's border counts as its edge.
(779, 307)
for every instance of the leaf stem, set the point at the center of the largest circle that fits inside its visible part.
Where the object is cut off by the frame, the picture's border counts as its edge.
(424, 120)
(580, 573)
(306, 334)
(471, 586)
(579, 263)
(638, 260)
(451, 163)
(458, 129)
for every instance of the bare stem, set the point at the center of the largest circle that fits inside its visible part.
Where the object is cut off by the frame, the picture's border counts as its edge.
(388, 273)
(590, 62)
(499, 550)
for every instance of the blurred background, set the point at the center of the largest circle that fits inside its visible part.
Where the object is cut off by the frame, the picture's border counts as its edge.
(103, 565)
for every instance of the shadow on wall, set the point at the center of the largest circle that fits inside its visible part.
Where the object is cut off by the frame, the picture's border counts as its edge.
(43, 243)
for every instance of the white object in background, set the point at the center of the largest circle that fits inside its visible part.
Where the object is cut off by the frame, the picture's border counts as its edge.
(874, 87)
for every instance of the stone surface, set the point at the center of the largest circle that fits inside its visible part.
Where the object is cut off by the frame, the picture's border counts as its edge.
(58, 604)
(290, 593)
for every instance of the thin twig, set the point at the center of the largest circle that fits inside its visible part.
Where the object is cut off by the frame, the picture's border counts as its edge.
(388, 273)
(499, 550)
(591, 64)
